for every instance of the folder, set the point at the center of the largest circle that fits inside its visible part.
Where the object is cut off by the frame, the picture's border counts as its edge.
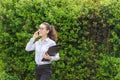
(52, 51)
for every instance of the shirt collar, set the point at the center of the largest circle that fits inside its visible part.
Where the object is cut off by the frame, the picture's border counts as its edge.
(47, 39)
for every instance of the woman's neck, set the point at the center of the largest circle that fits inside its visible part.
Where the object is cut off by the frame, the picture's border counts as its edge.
(43, 38)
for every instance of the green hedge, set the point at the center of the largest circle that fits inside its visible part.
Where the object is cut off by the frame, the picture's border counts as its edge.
(88, 30)
(4, 76)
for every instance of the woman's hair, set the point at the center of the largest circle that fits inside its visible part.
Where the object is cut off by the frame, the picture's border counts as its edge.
(52, 32)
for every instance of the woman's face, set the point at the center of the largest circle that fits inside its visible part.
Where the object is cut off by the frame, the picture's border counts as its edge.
(42, 30)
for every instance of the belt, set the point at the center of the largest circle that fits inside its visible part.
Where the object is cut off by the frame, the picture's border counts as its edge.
(44, 66)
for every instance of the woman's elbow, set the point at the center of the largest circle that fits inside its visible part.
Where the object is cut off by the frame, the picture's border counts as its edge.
(27, 49)
(58, 58)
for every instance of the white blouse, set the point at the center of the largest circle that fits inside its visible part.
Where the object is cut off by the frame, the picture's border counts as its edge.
(41, 48)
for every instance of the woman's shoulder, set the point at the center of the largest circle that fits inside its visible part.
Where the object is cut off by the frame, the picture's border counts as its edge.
(51, 41)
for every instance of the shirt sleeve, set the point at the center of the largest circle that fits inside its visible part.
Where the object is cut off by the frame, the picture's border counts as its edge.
(30, 45)
(55, 58)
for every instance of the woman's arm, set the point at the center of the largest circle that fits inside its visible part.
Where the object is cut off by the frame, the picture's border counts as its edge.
(55, 58)
(30, 45)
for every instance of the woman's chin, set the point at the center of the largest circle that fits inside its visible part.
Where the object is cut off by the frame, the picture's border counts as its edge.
(40, 35)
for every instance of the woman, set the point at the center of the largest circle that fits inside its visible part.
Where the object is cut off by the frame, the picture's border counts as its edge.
(48, 38)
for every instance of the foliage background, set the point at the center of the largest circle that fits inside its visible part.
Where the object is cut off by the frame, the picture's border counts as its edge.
(89, 31)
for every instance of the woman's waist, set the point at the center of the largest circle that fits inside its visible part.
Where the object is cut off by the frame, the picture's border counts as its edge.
(43, 65)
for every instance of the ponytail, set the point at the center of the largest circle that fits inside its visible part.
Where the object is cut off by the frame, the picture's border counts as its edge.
(52, 32)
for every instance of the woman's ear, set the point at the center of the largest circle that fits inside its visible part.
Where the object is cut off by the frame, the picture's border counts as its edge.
(47, 31)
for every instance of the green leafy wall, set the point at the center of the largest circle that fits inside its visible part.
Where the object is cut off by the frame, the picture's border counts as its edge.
(88, 30)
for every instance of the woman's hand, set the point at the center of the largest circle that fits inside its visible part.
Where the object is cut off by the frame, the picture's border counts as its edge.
(35, 34)
(47, 56)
